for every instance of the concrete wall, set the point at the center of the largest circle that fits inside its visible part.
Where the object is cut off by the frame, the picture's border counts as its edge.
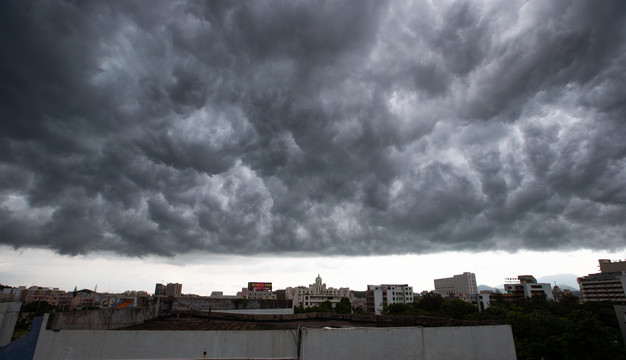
(205, 304)
(480, 342)
(484, 342)
(120, 344)
(283, 311)
(470, 342)
(8, 317)
(363, 343)
(100, 319)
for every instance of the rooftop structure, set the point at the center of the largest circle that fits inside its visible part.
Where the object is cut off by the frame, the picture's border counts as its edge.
(608, 266)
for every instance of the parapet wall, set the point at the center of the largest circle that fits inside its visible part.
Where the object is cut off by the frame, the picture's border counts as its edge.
(100, 319)
(470, 342)
(441, 343)
(207, 304)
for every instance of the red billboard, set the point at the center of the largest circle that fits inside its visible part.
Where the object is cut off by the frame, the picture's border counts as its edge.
(260, 286)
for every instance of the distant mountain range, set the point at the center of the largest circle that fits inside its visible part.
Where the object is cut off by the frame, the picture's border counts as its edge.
(561, 280)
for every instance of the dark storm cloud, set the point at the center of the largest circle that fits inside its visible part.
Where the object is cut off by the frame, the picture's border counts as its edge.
(312, 127)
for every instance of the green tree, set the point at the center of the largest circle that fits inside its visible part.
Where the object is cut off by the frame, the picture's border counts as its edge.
(326, 306)
(587, 338)
(357, 310)
(430, 301)
(400, 309)
(457, 309)
(38, 308)
(344, 306)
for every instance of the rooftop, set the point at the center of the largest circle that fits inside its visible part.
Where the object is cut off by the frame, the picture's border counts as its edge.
(191, 320)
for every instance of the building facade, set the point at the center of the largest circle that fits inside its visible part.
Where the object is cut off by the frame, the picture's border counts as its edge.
(458, 284)
(315, 294)
(257, 290)
(159, 290)
(526, 286)
(609, 286)
(171, 289)
(379, 296)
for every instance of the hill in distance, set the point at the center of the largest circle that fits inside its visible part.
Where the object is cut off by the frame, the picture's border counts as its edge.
(564, 281)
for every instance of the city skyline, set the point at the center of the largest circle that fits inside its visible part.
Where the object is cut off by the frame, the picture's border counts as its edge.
(379, 140)
(230, 274)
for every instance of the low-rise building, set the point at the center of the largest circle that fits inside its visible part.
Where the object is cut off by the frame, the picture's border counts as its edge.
(379, 296)
(38, 293)
(526, 286)
(257, 290)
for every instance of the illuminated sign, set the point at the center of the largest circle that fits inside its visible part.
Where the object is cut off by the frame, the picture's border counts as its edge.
(260, 286)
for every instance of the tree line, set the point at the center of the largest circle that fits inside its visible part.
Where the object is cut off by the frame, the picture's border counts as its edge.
(542, 329)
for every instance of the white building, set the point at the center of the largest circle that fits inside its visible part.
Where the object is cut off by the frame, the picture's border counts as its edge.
(315, 294)
(527, 286)
(385, 294)
(458, 284)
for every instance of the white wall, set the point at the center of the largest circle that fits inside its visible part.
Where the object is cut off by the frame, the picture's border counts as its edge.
(8, 317)
(145, 344)
(441, 343)
(363, 343)
(484, 342)
(475, 342)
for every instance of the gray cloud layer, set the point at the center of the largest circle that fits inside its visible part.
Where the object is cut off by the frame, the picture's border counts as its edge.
(313, 127)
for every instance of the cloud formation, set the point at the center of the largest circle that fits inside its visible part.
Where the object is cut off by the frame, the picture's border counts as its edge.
(312, 127)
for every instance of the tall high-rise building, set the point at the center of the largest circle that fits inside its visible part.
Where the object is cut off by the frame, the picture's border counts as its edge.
(159, 290)
(173, 289)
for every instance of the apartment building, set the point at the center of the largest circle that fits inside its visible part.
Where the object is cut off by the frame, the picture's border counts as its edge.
(386, 294)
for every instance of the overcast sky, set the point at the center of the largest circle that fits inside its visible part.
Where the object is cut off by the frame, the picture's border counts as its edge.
(306, 129)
